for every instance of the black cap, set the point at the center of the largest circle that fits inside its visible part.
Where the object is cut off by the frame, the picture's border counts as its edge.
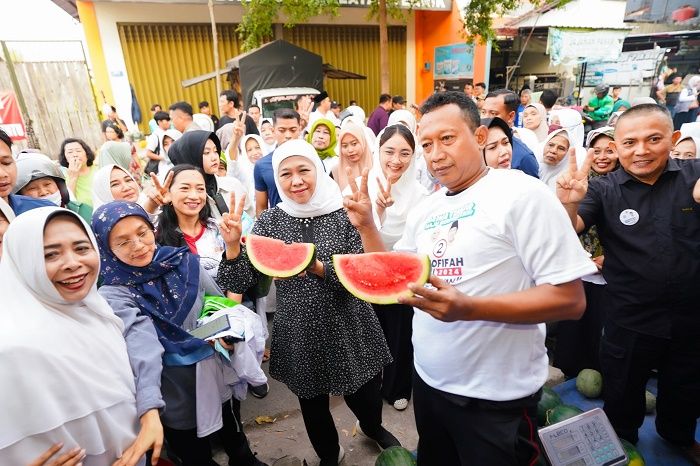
(335, 104)
(320, 97)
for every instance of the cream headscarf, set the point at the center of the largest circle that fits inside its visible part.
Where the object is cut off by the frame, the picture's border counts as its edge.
(64, 365)
(572, 122)
(543, 129)
(339, 175)
(117, 153)
(101, 191)
(326, 197)
(550, 173)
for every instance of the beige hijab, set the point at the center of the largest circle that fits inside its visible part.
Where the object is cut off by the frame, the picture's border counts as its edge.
(339, 175)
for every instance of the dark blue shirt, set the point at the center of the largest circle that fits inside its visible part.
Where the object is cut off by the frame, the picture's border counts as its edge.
(264, 178)
(21, 204)
(523, 159)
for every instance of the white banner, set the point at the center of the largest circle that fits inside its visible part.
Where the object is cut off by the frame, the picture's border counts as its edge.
(569, 46)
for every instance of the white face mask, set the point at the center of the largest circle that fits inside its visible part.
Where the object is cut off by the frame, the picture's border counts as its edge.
(55, 198)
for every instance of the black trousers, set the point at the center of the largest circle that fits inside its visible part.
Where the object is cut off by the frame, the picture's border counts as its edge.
(397, 323)
(627, 358)
(460, 431)
(194, 451)
(578, 341)
(365, 403)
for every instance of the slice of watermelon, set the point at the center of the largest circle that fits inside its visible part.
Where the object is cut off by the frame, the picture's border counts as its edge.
(381, 277)
(275, 258)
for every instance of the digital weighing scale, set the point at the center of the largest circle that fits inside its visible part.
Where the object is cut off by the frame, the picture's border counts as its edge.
(584, 440)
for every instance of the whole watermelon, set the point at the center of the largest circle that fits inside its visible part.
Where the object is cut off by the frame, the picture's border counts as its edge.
(561, 413)
(549, 400)
(634, 457)
(395, 456)
(589, 383)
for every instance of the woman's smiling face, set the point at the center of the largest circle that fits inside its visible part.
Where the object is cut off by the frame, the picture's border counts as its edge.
(297, 178)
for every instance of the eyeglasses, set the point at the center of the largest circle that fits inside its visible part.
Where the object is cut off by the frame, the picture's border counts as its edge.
(147, 237)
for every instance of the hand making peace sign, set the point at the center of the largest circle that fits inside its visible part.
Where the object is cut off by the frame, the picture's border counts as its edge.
(573, 183)
(384, 199)
(159, 193)
(358, 205)
(231, 227)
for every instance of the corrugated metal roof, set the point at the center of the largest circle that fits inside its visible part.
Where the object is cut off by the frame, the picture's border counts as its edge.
(593, 14)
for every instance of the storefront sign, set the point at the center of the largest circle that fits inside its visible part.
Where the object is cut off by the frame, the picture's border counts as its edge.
(569, 46)
(438, 5)
(630, 68)
(454, 62)
(10, 116)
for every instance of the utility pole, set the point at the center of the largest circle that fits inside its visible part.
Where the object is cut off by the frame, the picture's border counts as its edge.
(215, 42)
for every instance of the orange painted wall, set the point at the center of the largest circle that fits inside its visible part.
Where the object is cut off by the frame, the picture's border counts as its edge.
(435, 29)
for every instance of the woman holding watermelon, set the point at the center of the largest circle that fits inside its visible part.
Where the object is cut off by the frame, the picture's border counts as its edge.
(324, 341)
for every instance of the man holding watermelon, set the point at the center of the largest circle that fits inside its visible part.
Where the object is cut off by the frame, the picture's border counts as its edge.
(649, 225)
(480, 359)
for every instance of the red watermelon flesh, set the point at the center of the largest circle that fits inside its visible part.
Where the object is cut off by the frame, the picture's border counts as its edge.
(275, 258)
(381, 277)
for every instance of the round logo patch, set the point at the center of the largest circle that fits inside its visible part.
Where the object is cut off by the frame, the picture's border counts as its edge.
(629, 217)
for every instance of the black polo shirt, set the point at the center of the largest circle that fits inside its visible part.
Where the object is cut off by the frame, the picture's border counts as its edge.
(651, 238)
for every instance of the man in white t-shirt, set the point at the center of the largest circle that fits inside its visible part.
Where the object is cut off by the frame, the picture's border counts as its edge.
(154, 149)
(503, 263)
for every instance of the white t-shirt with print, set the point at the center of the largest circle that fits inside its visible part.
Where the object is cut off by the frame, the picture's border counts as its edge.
(506, 233)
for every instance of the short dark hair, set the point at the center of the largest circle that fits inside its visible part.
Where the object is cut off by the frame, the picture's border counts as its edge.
(616, 87)
(114, 109)
(254, 105)
(88, 152)
(116, 128)
(153, 107)
(352, 102)
(398, 99)
(285, 114)
(183, 106)
(403, 131)
(384, 98)
(231, 96)
(548, 98)
(482, 84)
(203, 104)
(510, 98)
(470, 112)
(160, 116)
(644, 110)
(4, 137)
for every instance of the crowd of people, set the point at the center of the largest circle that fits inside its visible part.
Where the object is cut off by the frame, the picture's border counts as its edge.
(530, 213)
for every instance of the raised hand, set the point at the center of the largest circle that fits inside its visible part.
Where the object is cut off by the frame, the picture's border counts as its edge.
(239, 127)
(572, 185)
(231, 227)
(384, 199)
(74, 167)
(160, 193)
(358, 205)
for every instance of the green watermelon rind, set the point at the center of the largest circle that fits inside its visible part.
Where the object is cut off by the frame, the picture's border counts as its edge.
(561, 413)
(271, 271)
(380, 298)
(395, 456)
(549, 400)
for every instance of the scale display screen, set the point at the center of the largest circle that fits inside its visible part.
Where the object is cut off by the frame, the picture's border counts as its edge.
(584, 440)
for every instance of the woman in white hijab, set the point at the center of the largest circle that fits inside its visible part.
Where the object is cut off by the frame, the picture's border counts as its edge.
(113, 183)
(535, 119)
(79, 389)
(572, 122)
(324, 341)
(553, 156)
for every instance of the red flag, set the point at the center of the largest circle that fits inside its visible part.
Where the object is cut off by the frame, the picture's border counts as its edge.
(10, 116)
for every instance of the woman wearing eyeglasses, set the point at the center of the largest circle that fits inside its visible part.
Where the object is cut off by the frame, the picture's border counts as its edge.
(158, 292)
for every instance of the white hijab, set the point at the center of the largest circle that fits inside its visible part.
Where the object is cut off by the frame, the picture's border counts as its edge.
(242, 168)
(101, 192)
(326, 197)
(572, 122)
(550, 173)
(406, 192)
(404, 117)
(543, 129)
(696, 141)
(61, 363)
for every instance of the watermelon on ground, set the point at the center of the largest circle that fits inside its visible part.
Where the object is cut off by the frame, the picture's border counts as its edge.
(395, 456)
(589, 383)
(549, 400)
(381, 277)
(275, 258)
(561, 413)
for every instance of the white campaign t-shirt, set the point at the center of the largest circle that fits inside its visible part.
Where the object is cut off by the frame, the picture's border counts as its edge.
(506, 233)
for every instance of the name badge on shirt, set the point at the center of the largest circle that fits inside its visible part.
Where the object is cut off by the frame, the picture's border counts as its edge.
(629, 217)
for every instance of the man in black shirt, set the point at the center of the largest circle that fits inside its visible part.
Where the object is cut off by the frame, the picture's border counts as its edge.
(649, 226)
(229, 109)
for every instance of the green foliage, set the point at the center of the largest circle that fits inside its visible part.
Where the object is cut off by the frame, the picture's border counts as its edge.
(479, 14)
(260, 15)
